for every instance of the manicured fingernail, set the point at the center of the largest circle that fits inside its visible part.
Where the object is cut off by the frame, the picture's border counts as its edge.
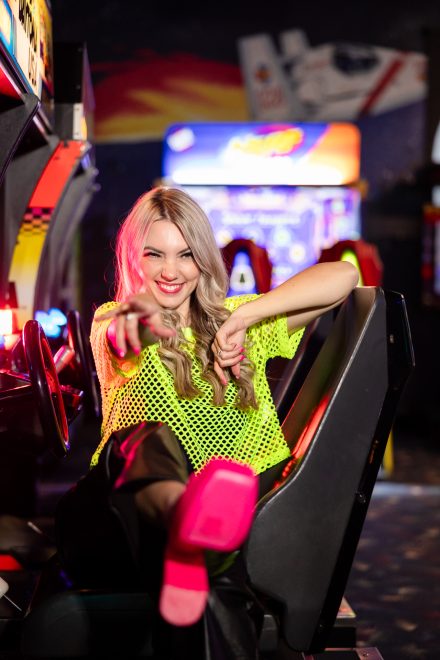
(241, 358)
(241, 349)
(121, 354)
(136, 350)
(224, 381)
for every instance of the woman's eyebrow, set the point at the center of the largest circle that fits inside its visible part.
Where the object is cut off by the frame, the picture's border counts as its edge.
(153, 249)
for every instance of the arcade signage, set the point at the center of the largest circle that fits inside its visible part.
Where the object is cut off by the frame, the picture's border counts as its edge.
(262, 154)
(26, 34)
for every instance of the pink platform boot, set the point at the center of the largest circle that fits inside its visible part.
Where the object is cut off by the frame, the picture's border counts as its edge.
(215, 512)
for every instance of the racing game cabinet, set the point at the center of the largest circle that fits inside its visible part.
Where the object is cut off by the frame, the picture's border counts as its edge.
(306, 529)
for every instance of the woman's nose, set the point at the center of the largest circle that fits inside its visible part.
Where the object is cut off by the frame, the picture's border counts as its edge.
(169, 270)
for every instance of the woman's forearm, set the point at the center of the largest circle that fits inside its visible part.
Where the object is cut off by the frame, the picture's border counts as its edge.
(304, 296)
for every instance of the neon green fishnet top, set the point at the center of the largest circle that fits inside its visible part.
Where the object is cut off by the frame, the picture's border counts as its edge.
(142, 389)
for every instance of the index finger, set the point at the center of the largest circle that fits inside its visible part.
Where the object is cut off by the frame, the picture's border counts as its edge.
(111, 314)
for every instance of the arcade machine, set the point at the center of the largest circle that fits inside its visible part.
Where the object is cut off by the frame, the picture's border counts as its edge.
(291, 188)
(431, 256)
(46, 190)
(430, 266)
(46, 182)
(46, 176)
(46, 170)
(431, 231)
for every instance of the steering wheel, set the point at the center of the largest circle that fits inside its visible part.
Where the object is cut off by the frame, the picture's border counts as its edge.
(46, 388)
(84, 363)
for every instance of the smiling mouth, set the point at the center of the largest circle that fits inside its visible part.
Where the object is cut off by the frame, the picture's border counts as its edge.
(169, 288)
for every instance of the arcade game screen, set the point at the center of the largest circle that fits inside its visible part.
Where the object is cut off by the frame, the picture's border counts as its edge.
(293, 223)
(291, 188)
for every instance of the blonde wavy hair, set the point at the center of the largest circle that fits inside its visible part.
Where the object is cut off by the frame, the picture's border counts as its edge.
(207, 302)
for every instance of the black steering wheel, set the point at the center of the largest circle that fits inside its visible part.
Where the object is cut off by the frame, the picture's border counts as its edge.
(84, 363)
(46, 388)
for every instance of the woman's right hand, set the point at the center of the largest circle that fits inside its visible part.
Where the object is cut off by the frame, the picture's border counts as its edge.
(137, 318)
(228, 347)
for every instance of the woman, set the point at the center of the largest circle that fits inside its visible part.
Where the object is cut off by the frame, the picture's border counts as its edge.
(172, 349)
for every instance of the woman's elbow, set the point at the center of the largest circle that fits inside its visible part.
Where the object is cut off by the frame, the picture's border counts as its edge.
(345, 277)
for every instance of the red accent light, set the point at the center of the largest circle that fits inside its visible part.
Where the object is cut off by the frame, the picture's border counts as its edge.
(305, 439)
(309, 431)
(56, 174)
(9, 563)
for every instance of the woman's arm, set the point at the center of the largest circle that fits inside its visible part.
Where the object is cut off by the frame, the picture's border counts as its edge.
(302, 298)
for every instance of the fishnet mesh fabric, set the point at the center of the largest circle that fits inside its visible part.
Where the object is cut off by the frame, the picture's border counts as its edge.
(142, 389)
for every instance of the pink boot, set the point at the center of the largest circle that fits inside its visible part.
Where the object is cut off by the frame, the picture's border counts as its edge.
(215, 512)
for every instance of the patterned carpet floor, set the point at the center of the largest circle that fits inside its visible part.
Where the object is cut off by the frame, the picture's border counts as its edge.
(394, 586)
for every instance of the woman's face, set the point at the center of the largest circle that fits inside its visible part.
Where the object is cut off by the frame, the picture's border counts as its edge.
(170, 272)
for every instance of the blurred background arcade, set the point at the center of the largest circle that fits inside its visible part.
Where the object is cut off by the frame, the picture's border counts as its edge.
(310, 131)
(371, 66)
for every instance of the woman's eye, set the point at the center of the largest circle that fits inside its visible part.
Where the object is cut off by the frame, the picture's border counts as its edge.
(187, 255)
(150, 254)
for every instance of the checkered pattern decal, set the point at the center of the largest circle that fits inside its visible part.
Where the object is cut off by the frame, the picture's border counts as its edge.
(27, 257)
(35, 221)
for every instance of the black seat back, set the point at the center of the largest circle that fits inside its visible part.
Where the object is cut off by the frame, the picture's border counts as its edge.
(337, 428)
(295, 370)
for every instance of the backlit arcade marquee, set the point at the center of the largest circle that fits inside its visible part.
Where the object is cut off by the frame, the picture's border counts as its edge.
(26, 36)
(288, 187)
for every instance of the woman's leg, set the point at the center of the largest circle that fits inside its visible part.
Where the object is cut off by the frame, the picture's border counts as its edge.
(149, 463)
(138, 494)
(109, 528)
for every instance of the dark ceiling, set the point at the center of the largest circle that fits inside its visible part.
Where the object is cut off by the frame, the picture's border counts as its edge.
(115, 28)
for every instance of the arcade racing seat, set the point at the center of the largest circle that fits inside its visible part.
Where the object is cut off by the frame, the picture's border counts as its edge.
(367, 256)
(306, 529)
(258, 256)
(285, 384)
(371, 274)
(338, 429)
